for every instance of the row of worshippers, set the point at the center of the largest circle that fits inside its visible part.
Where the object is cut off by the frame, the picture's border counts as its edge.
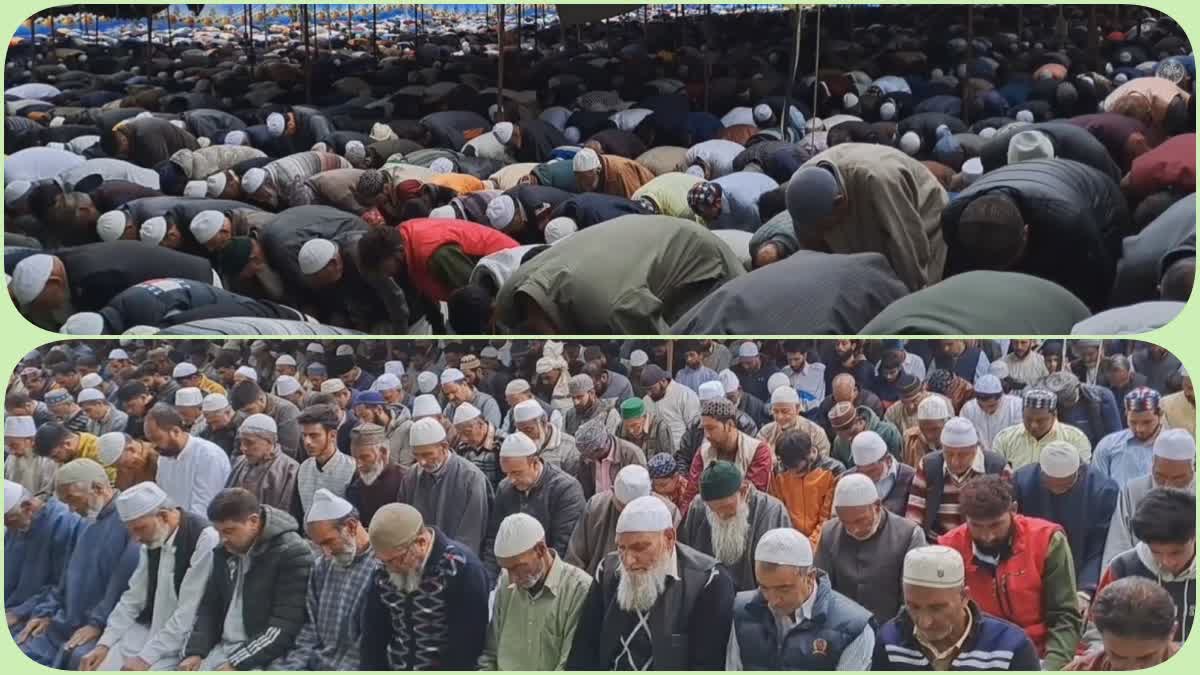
(378, 214)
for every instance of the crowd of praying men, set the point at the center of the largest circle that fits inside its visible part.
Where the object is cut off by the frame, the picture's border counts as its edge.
(539, 505)
(927, 178)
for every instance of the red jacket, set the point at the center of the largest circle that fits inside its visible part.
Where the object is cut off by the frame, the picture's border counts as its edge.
(1171, 165)
(423, 236)
(758, 469)
(1015, 592)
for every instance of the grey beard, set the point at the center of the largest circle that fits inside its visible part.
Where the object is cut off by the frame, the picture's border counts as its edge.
(370, 478)
(407, 582)
(638, 591)
(729, 536)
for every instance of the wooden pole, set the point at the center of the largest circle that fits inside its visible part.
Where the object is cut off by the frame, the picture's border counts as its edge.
(500, 74)
(375, 37)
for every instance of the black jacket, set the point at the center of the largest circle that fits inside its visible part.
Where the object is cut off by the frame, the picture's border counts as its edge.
(447, 127)
(152, 303)
(99, 272)
(592, 208)
(212, 124)
(556, 500)
(538, 141)
(1147, 254)
(273, 593)
(1070, 142)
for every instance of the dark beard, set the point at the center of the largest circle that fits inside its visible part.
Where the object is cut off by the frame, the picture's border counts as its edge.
(843, 356)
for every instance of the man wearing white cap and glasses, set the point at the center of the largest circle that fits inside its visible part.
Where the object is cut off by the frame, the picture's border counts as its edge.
(892, 478)
(337, 589)
(447, 489)
(261, 467)
(992, 410)
(150, 624)
(478, 442)
(39, 534)
(518, 391)
(787, 415)
(189, 403)
(21, 464)
(657, 604)
(1174, 466)
(941, 628)
(72, 616)
(933, 495)
(191, 470)
(750, 371)
(554, 447)
(926, 437)
(458, 391)
(220, 423)
(1077, 496)
(539, 599)
(862, 550)
(533, 487)
(794, 620)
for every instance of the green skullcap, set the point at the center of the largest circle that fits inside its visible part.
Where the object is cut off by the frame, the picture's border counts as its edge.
(632, 409)
(720, 480)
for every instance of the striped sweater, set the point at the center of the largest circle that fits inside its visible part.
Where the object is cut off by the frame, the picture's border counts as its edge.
(990, 644)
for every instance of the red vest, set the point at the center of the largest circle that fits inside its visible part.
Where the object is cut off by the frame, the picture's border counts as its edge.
(1015, 593)
(423, 236)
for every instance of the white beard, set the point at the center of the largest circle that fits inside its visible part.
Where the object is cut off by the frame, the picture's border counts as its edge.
(638, 591)
(407, 582)
(370, 478)
(729, 536)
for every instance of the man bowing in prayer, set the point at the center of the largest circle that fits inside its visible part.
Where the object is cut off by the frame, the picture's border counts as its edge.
(794, 620)
(150, 625)
(539, 599)
(657, 604)
(729, 518)
(337, 588)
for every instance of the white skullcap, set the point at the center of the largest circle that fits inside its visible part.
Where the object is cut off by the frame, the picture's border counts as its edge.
(14, 493)
(15, 190)
(518, 533)
(427, 382)
(973, 168)
(446, 212)
(747, 350)
(19, 426)
(984, 133)
(711, 391)
(517, 386)
(959, 433)
(91, 381)
(785, 546)
(867, 448)
(638, 358)
(315, 255)
(934, 408)
(386, 382)
(645, 514)
(452, 375)
(332, 386)
(559, 228)
(112, 445)
(988, 384)
(154, 230)
(442, 165)
(184, 369)
(426, 431)
(195, 189)
(500, 211)
(572, 134)
(286, 385)
(115, 354)
(849, 100)
(1176, 445)
(1028, 145)
(887, 111)
(1059, 459)
(695, 170)
(344, 350)
(632, 482)
(258, 423)
(395, 368)
(729, 381)
(518, 445)
(327, 506)
(934, 567)
(206, 224)
(285, 360)
(83, 323)
(89, 395)
(253, 180)
(489, 352)
(855, 490)
(527, 410)
(777, 380)
(1025, 116)
(762, 113)
(248, 373)
(356, 152)
(503, 132)
(214, 403)
(29, 277)
(999, 369)
(319, 147)
(216, 184)
(910, 143)
(111, 225)
(585, 160)
(785, 394)
(139, 501)
(236, 138)
(465, 412)
(60, 120)
(425, 405)
(276, 124)
(189, 397)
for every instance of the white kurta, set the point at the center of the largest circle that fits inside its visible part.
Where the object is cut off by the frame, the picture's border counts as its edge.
(678, 407)
(987, 426)
(195, 476)
(161, 645)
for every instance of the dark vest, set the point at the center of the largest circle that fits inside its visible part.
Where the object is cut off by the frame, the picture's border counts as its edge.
(963, 366)
(190, 527)
(868, 572)
(670, 616)
(935, 477)
(813, 644)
